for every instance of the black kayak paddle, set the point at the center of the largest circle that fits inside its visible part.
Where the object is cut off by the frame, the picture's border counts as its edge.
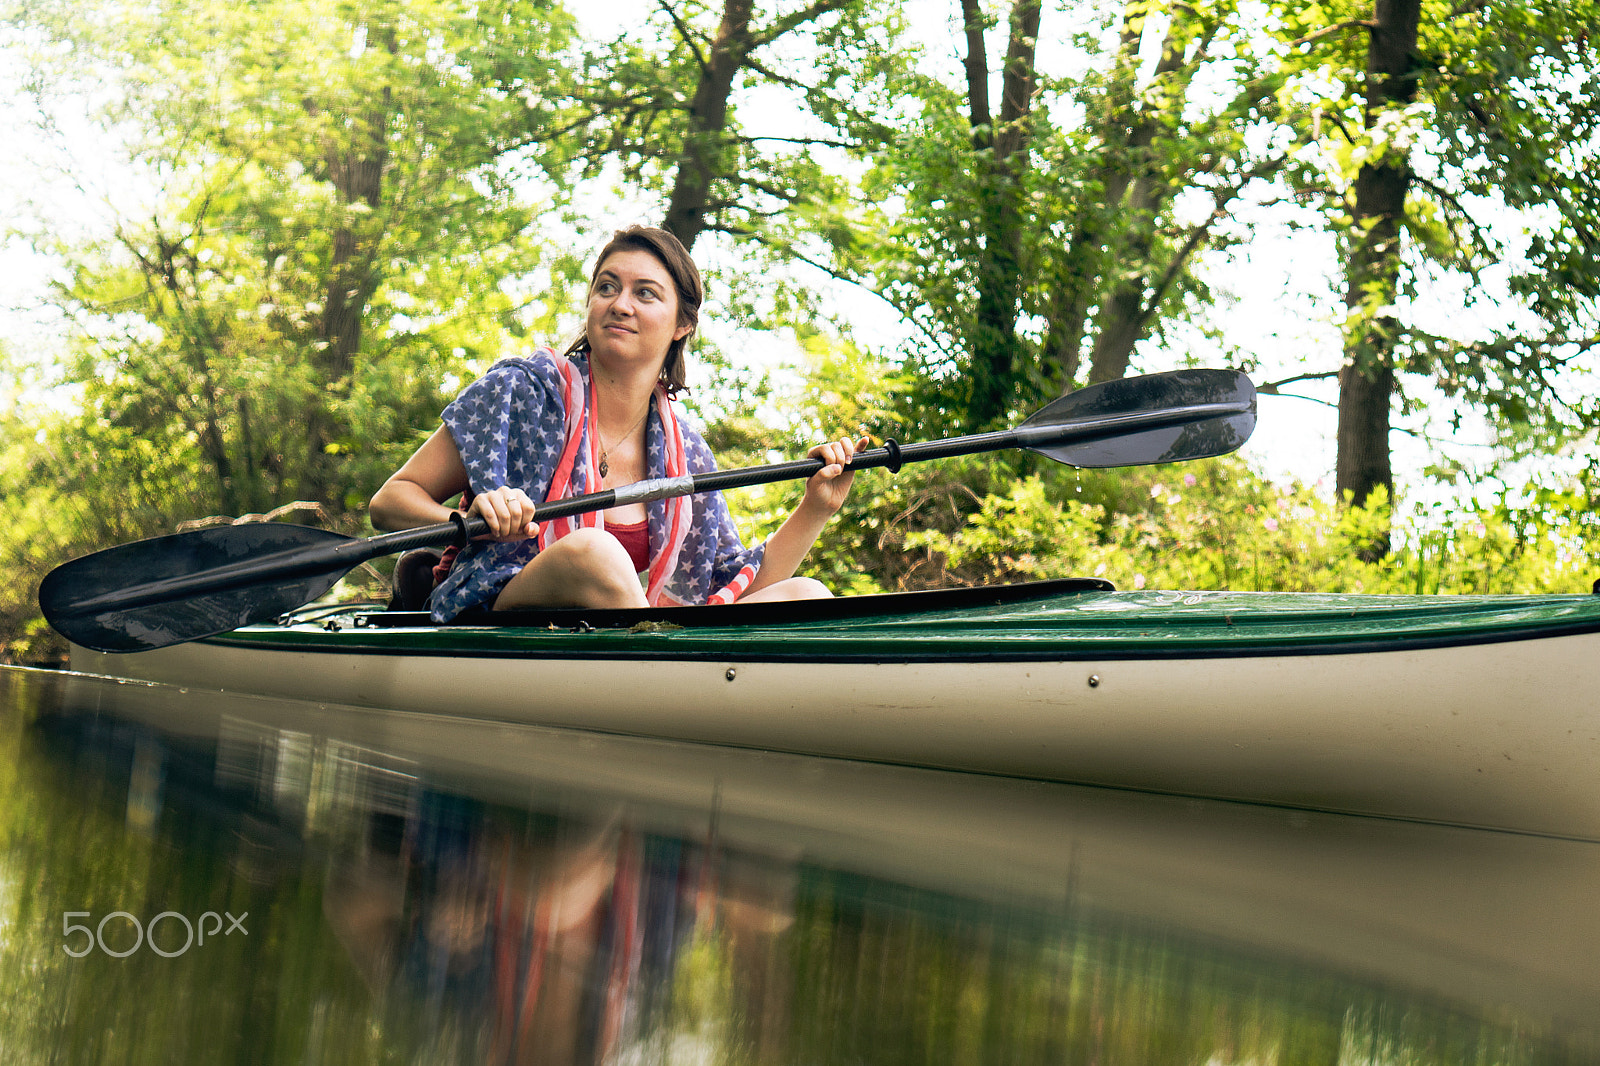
(168, 590)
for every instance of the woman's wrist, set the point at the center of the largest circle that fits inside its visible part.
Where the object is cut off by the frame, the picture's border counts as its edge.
(816, 508)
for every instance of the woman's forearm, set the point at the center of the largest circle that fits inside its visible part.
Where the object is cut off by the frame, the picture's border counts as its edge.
(404, 504)
(825, 494)
(788, 547)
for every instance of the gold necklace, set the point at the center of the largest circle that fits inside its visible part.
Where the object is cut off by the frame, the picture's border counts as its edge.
(605, 467)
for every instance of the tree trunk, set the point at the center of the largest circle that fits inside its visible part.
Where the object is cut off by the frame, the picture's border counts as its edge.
(1000, 155)
(1123, 319)
(703, 144)
(1144, 189)
(1128, 135)
(356, 168)
(1367, 378)
(701, 161)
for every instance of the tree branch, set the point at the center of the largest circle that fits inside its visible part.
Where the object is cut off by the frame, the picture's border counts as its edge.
(1275, 388)
(792, 20)
(823, 141)
(789, 250)
(777, 192)
(1348, 24)
(686, 33)
(1220, 198)
(1454, 205)
(751, 63)
(1338, 123)
(716, 206)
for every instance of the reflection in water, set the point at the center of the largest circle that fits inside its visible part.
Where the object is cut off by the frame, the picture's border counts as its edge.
(444, 891)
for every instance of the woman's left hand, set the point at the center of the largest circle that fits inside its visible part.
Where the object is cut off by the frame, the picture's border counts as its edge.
(827, 488)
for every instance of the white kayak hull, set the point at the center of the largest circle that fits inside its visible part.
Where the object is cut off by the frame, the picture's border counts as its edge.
(1499, 730)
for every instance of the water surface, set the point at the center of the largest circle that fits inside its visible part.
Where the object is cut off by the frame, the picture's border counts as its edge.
(196, 877)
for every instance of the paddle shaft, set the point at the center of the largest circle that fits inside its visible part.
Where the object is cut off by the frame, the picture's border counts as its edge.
(348, 554)
(891, 455)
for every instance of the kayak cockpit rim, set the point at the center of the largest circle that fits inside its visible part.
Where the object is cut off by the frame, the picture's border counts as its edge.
(761, 615)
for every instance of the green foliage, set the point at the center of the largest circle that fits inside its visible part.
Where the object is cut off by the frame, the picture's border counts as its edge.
(677, 104)
(1046, 246)
(1021, 534)
(352, 203)
(37, 523)
(338, 219)
(1210, 525)
(1498, 148)
(1150, 153)
(1216, 525)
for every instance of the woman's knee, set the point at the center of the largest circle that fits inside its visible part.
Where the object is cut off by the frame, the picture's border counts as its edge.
(595, 561)
(809, 588)
(586, 568)
(791, 588)
(590, 550)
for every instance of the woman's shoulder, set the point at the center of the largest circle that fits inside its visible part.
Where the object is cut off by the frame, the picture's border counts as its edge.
(697, 453)
(540, 368)
(539, 362)
(531, 381)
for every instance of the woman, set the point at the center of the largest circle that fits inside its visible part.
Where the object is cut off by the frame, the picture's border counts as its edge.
(548, 426)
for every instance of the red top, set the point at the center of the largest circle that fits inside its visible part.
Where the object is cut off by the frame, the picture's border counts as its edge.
(635, 537)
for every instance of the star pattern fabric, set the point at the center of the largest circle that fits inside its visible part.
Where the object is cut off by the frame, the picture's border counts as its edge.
(525, 424)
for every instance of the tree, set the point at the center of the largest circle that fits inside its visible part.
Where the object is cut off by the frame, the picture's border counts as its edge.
(337, 221)
(1366, 380)
(1067, 222)
(665, 104)
(1445, 117)
(1000, 145)
(1156, 144)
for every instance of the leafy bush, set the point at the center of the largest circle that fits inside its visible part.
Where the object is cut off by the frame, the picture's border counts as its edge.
(1217, 524)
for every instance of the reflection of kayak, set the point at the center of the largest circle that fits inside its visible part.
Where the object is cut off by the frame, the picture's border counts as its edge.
(1494, 925)
(1468, 710)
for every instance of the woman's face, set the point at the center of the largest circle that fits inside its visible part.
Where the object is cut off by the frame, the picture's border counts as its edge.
(633, 311)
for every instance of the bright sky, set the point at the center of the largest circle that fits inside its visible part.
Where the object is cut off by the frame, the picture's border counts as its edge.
(65, 181)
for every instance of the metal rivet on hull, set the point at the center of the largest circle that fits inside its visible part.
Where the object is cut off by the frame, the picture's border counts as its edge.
(1094, 680)
(731, 674)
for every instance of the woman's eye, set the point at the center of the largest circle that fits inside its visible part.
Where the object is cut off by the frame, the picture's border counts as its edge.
(605, 288)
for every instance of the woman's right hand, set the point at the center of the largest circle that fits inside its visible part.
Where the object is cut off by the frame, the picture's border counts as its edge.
(508, 511)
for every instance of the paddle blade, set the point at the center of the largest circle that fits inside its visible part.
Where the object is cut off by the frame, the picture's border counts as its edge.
(1175, 392)
(182, 587)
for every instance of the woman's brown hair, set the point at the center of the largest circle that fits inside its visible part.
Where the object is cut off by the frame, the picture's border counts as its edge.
(672, 255)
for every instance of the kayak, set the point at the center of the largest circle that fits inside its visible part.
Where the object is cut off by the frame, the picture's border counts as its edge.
(1472, 711)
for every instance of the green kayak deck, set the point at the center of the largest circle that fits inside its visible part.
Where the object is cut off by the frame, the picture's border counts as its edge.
(1046, 621)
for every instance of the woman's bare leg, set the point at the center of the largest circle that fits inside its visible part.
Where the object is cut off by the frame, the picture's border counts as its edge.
(586, 568)
(591, 568)
(790, 588)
